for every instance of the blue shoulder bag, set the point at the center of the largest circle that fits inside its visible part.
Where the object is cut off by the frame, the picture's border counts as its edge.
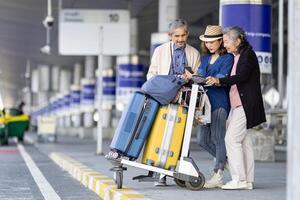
(163, 88)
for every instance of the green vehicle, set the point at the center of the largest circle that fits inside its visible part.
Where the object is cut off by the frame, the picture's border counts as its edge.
(17, 123)
(3, 129)
(13, 123)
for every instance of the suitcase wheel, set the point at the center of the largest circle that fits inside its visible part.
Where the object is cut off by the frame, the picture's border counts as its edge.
(184, 110)
(178, 119)
(164, 116)
(170, 153)
(172, 168)
(150, 162)
(157, 150)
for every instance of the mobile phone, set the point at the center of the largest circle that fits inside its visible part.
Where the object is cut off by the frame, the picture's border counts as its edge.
(198, 79)
(189, 69)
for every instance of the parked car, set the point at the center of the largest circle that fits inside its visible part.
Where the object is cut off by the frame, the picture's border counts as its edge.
(17, 123)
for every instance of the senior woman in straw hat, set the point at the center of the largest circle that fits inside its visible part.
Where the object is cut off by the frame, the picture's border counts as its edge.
(215, 63)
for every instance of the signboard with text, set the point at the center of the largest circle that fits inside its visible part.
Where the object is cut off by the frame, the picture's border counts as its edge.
(86, 32)
(255, 17)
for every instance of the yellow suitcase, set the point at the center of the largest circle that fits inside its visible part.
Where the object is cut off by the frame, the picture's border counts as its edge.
(164, 143)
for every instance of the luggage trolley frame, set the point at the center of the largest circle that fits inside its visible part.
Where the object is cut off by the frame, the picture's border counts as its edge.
(186, 174)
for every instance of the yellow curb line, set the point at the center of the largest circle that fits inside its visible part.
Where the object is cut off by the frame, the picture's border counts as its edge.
(99, 183)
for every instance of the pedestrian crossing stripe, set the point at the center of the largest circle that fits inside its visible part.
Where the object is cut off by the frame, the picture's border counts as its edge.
(99, 183)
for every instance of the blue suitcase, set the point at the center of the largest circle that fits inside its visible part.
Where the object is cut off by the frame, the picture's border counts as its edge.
(134, 126)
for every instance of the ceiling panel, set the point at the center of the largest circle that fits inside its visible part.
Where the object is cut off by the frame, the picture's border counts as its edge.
(22, 33)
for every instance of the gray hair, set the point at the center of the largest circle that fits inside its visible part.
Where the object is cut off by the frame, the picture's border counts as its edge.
(177, 23)
(234, 33)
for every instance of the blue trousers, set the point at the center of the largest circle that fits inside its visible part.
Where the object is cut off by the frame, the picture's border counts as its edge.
(212, 137)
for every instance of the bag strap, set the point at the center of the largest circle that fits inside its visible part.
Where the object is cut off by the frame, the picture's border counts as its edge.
(171, 53)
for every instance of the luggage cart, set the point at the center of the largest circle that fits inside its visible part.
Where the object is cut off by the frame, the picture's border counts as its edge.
(186, 174)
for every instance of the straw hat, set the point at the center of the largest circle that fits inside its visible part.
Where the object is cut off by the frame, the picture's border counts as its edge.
(212, 33)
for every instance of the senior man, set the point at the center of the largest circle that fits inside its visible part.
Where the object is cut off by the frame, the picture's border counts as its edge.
(172, 57)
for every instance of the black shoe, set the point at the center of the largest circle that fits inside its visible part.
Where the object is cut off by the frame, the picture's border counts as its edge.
(161, 182)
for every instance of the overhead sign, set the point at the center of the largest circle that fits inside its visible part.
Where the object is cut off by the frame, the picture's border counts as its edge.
(87, 32)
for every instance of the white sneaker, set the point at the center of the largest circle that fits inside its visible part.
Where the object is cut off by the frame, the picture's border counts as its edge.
(161, 182)
(235, 185)
(215, 181)
(249, 186)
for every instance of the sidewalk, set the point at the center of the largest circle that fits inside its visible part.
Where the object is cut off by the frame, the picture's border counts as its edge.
(270, 178)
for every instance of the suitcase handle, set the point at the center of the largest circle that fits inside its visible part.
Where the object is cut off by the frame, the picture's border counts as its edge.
(140, 121)
(138, 131)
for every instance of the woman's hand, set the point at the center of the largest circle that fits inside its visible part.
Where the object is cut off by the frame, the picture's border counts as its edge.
(212, 81)
(186, 76)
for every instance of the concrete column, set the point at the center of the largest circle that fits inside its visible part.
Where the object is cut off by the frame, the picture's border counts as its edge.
(77, 73)
(60, 113)
(26, 98)
(42, 98)
(76, 117)
(67, 109)
(35, 80)
(293, 170)
(280, 83)
(157, 39)
(130, 79)
(44, 78)
(44, 84)
(87, 101)
(108, 91)
(64, 81)
(133, 36)
(64, 88)
(87, 105)
(89, 67)
(168, 11)
(55, 70)
(257, 27)
(75, 106)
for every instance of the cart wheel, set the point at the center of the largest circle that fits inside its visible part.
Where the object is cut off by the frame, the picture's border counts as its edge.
(197, 184)
(179, 182)
(118, 175)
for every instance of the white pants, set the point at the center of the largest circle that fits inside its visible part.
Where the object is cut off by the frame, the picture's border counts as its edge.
(239, 147)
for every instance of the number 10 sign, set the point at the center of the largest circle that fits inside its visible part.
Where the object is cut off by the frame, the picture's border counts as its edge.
(84, 31)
